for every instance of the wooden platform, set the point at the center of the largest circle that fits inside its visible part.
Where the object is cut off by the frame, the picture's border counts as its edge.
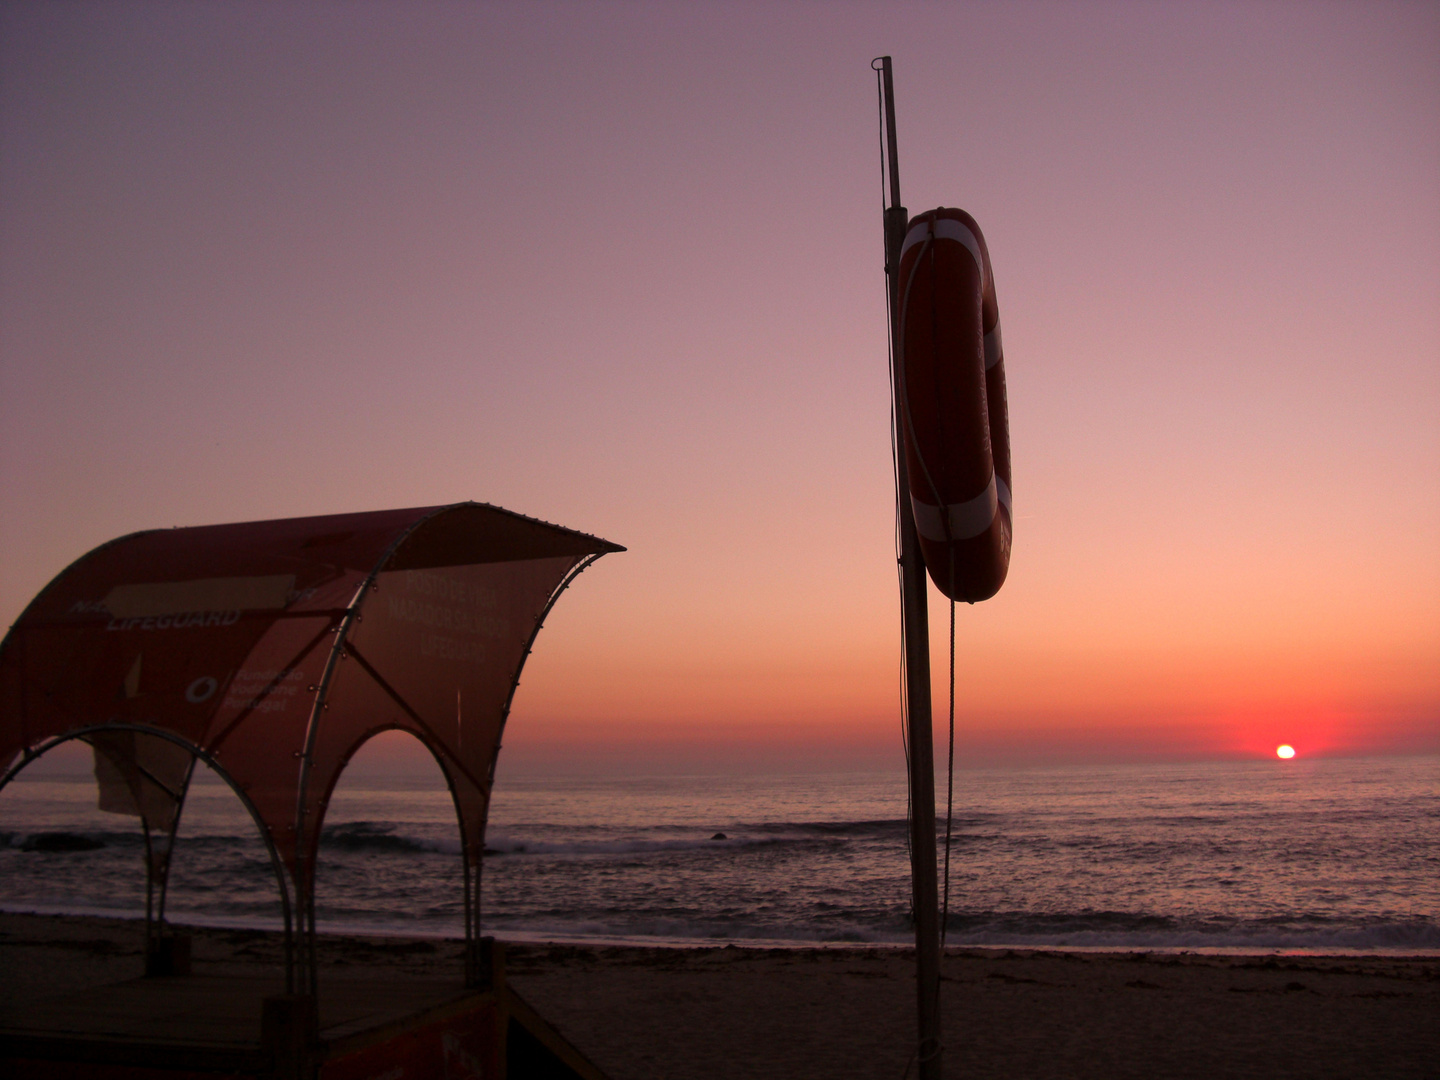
(204, 1026)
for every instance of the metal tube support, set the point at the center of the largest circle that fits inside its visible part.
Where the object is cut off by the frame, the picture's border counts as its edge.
(916, 620)
(923, 869)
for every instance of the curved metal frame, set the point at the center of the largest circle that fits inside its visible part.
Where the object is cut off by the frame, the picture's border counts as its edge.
(575, 571)
(473, 896)
(32, 753)
(305, 874)
(472, 933)
(301, 967)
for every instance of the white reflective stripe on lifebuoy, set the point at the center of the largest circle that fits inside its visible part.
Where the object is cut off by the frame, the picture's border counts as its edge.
(969, 518)
(945, 229)
(992, 347)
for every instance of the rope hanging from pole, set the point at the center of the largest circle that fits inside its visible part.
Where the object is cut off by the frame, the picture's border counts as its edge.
(916, 697)
(894, 456)
(950, 450)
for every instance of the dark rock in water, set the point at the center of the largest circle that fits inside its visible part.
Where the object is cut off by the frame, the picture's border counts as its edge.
(719, 836)
(59, 841)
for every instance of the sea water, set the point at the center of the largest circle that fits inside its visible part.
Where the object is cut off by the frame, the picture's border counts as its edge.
(1323, 855)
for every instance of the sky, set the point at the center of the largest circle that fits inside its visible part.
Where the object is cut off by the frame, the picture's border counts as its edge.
(619, 266)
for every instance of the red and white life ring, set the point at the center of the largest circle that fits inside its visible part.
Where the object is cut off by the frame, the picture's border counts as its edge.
(951, 375)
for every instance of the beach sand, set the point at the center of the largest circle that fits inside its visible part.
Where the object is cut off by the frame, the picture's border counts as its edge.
(676, 1013)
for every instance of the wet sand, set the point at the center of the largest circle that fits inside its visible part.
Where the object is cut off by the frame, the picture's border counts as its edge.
(653, 1013)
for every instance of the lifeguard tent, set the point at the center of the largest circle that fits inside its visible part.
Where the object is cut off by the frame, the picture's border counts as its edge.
(271, 651)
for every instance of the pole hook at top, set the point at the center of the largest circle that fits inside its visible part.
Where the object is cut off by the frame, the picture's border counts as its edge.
(888, 93)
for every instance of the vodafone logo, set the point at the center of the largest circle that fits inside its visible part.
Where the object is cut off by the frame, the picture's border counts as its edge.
(202, 689)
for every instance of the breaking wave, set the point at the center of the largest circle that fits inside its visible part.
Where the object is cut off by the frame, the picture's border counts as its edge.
(1236, 857)
(381, 838)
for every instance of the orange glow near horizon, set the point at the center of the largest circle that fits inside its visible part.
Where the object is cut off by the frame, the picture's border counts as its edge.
(627, 276)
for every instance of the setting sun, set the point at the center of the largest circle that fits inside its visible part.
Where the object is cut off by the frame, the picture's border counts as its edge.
(1285, 751)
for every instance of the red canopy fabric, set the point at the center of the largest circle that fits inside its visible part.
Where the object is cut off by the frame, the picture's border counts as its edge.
(276, 648)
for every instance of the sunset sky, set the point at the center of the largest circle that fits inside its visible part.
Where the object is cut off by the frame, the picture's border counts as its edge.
(619, 266)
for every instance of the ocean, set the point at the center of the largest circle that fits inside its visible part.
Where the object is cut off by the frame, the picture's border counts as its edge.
(1321, 855)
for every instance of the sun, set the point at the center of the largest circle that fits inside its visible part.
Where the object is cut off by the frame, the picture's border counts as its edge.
(1285, 751)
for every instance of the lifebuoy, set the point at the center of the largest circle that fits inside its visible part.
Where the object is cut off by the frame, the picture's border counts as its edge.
(951, 375)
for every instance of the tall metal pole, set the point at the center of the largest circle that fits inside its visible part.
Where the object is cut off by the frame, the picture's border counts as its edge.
(916, 620)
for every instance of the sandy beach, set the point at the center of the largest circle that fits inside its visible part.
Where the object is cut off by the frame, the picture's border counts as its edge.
(701, 1013)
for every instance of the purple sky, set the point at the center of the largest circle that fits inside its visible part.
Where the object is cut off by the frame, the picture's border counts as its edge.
(619, 266)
